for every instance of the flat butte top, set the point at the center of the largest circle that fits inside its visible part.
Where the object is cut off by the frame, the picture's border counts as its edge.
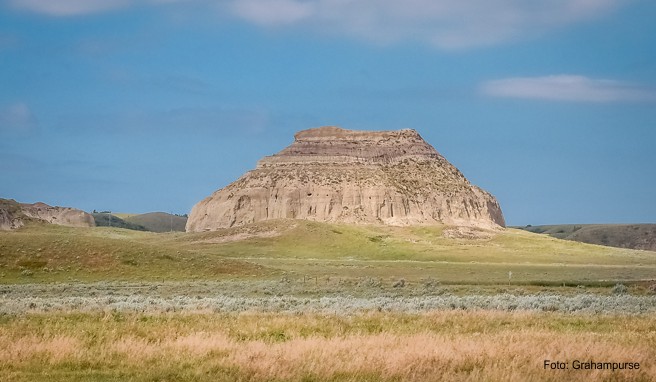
(331, 144)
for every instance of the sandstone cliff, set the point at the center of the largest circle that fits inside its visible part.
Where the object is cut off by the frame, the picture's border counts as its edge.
(11, 216)
(14, 215)
(335, 175)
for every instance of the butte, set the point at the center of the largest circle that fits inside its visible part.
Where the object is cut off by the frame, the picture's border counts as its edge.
(329, 174)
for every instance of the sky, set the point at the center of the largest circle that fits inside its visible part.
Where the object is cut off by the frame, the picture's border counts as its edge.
(151, 105)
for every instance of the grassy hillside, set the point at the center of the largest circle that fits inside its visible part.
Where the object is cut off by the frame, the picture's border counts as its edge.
(159, 222)
(123, 215)
(153, 221)
(635, 236)
(55, 253)
(301, 249)
(110, 220)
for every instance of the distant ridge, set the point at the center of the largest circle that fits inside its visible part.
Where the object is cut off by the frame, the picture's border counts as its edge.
(106, 219)
(159, 221)
(152, 221)
(634, 236)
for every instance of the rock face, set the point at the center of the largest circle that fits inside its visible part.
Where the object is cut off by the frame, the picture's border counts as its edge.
(67, 216)
(13, 215)
(335, 175)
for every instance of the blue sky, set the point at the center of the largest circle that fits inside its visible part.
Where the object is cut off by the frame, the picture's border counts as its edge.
(151, 105)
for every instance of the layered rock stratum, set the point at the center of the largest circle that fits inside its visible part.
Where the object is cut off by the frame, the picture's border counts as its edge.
(330, 174)
(14, 215)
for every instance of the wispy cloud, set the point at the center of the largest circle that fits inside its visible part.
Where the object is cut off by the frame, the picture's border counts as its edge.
(62, 8)
(443, 23)
(274, 12)
(567, 88)
(69, 7)
(447, 24)
(17, 118)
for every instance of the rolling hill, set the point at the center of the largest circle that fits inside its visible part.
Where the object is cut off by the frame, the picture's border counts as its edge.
(159, 222)
(634, 236)
(295, 248)
(109, 220)
(152, 221)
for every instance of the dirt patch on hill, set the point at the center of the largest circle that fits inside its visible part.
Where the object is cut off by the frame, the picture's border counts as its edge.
(244, 233)
(467, 233)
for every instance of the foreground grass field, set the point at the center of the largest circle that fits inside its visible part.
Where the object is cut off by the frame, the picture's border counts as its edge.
(304, 301)
(446, 346)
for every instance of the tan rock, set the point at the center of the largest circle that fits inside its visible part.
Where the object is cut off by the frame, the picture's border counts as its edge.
(335, 175)
(66, 216)
(13, 215)
(10, 215)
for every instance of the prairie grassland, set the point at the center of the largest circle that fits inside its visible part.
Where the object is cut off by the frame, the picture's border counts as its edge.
(50, 253)
(279, 249)
(446, 346)
(323, 241)
(304, 301)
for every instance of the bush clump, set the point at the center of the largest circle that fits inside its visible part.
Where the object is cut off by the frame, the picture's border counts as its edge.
(620, 289)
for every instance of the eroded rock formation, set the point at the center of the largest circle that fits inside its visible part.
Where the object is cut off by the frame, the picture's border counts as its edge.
(14, 215)
(10, 215)
(335, 175)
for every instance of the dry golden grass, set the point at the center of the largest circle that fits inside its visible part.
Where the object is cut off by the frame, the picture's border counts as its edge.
(446, 346)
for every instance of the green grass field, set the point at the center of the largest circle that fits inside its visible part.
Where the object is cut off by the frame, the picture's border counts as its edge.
(306, 301)
(40, 253)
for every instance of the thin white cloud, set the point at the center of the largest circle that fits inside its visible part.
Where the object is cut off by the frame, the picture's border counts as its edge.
(68, 7)
(63, 8)
(567, 88)
(17, 118)
(447, 24)
(273, 12)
